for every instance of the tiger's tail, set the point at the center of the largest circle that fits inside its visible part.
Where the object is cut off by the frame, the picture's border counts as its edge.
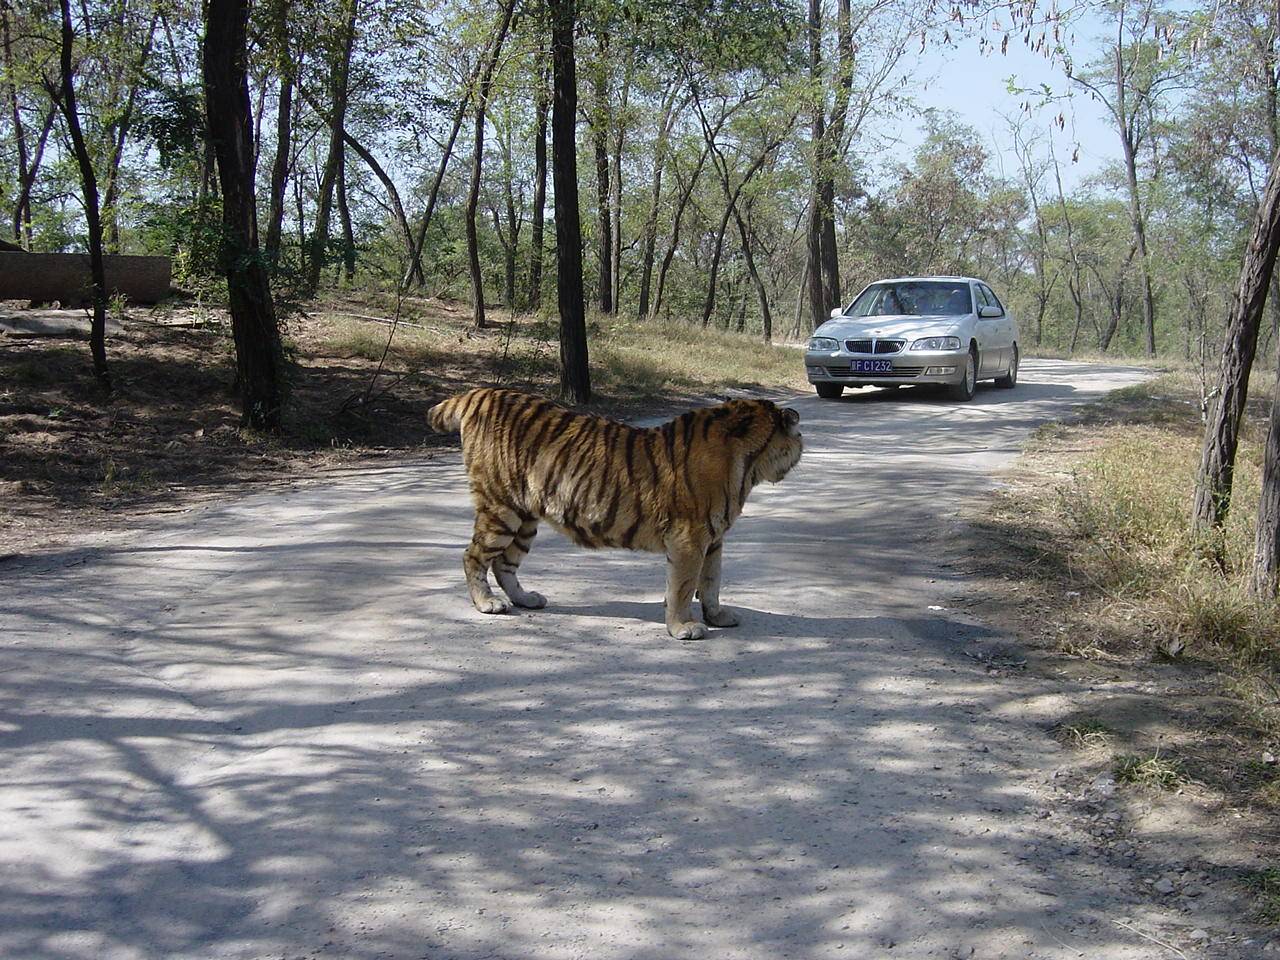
(446, 416)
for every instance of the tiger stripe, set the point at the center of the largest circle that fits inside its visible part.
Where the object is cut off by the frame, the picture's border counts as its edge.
(674, 489)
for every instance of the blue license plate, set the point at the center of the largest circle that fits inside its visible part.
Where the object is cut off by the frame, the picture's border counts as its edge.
(872, 366)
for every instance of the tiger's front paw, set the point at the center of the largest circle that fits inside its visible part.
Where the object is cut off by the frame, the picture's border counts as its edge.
(491, 605)
(720, 617)
(530, 600)
(687, 631)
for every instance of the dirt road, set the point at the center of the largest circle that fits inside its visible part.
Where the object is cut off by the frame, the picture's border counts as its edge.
(276, 728)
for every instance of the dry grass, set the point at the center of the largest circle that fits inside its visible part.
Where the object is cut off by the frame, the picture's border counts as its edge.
(1085, 733)
(631, 359)
(1094, 529)
(1265, 885)
(1153, 772)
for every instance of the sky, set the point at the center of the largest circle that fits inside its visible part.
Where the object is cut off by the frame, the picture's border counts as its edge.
(972, 87)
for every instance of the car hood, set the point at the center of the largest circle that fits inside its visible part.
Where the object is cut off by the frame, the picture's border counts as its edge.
(903, 326)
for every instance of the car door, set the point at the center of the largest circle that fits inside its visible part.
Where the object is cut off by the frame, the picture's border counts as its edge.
(990, 344)
(1007, 328)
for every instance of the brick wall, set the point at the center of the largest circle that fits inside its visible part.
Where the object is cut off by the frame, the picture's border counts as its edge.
(65, 277)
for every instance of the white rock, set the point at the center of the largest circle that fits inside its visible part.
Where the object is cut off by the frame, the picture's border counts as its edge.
(1199, 934)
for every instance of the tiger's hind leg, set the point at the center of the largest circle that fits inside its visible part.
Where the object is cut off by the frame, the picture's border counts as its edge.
(506, 565)
(709, 589)
(496, 529)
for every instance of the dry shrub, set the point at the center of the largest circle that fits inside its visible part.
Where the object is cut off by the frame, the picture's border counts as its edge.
(1128, 508)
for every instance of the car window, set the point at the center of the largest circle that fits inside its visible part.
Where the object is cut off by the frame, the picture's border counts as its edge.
(983, 288)
(981, 292)
(916, 298)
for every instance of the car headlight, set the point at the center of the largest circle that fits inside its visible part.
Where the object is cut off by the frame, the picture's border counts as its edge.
(824, 343)
(937, 343)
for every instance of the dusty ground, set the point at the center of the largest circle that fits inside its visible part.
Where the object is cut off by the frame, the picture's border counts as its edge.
(275, 728)
(1197, 712)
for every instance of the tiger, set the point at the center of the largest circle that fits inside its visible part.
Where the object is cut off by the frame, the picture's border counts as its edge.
(673, 489)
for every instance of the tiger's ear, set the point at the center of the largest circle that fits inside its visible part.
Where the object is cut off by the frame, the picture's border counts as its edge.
(790, 418)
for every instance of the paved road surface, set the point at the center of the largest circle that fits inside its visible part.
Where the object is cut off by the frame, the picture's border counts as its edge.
(275, 728)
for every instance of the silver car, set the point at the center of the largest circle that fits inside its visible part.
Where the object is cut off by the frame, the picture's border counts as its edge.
(951, 331)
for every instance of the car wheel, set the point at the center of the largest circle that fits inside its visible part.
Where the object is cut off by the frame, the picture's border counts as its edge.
(964, 390)
(830, 391)
(1010, 379)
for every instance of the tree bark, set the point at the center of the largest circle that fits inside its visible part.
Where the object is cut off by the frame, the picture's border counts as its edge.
(534, 297)
(92, 213)
(676, 222)
(575, 375)
(338, 74)
(344, 217)
(511, 243)
(618, 127)
(604, 239)
(376, 168)
(650, 238)
(284, 132)
(819, 282)
(477, 170)
(762, 294)
(1265, 581)
(119, 133)
(259, 358)
(1222, 432)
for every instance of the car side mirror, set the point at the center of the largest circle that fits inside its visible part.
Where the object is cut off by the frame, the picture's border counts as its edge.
(987, 312)
(837, 313)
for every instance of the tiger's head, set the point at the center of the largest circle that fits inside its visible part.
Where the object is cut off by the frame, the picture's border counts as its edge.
(785, 444)
(766, 435)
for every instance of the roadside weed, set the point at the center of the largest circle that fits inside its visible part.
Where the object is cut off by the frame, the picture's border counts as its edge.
(1155, 771)
(1089, 732)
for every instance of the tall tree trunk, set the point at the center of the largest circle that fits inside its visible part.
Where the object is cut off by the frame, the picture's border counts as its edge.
(22, 227)
(676, 222)
(650, 238)
(709, 303)
(259, 358)
(1265, 581)
(119, 131)
(762, 294)
(393, 195)
(1222, 432)
(280, 168)
(284, 131)
(512, 243)
(818, 303)
(339, 72)
(344, 217)
(534, 297)
(477, 170)
(605, 233)
(415, 270)
(618, 127)
(370, 161)
(89, 187)
(575, 374)
(1136, 217)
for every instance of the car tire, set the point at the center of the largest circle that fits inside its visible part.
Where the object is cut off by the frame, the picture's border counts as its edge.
(968, 385)
(1010, 379)
(829, 391)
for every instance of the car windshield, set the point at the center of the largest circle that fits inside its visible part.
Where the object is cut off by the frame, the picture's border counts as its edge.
(915, 298)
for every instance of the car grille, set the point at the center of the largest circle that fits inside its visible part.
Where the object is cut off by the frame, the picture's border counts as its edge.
(874, 346)
(847, 374)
